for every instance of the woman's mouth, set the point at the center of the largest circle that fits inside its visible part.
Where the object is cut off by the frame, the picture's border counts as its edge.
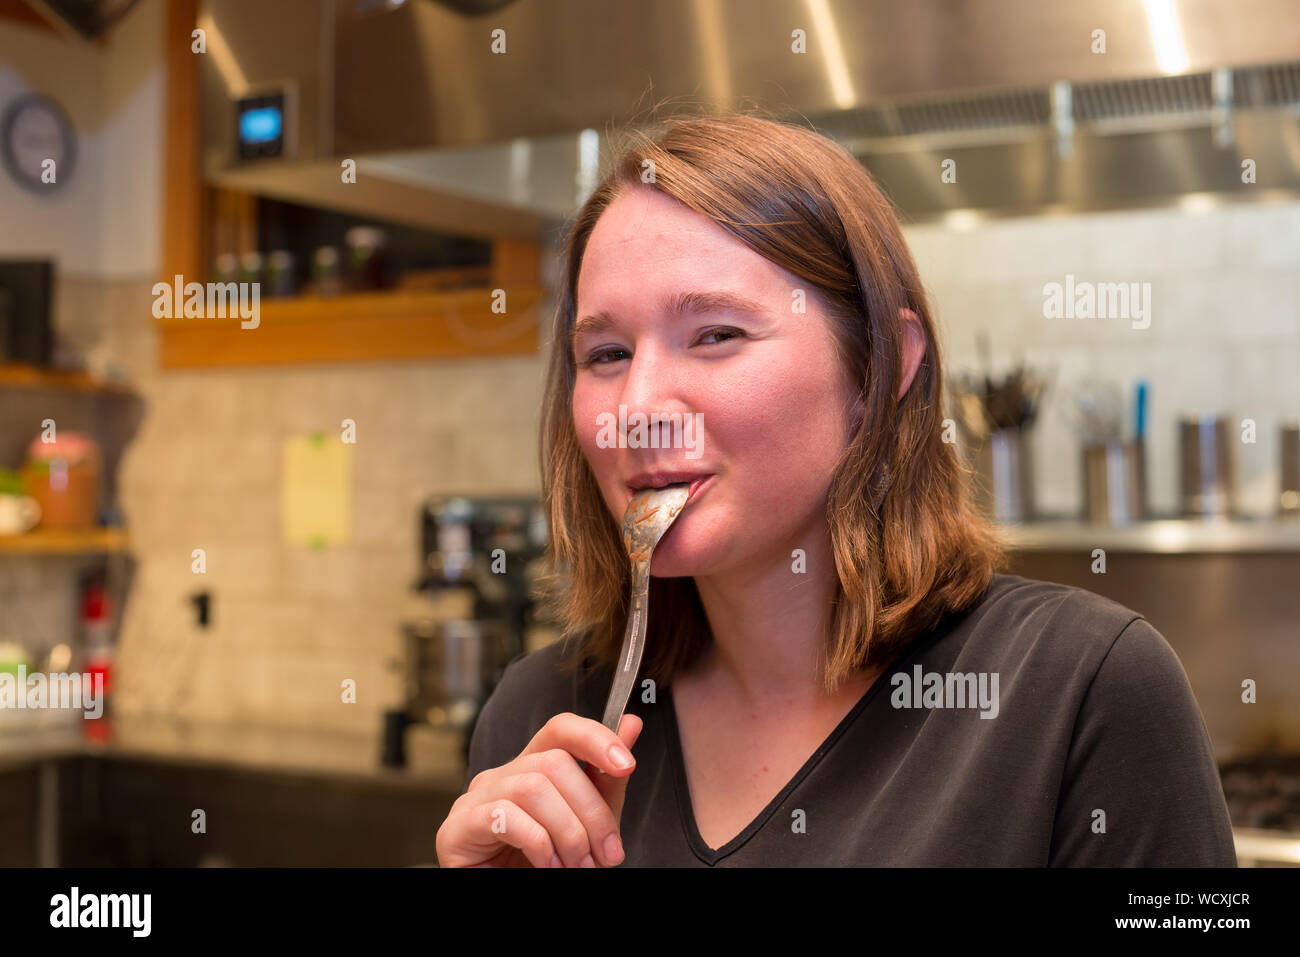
(696, 480)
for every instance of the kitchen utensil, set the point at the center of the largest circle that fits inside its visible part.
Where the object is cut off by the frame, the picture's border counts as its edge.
(649, 515)
(973, 415)
(1033, 388)
(1140, 411)
(985, 406)
(1097, 413)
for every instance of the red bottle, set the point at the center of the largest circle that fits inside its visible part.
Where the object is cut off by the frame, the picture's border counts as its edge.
(97, 638)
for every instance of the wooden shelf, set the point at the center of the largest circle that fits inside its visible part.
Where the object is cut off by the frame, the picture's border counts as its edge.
(202, 221)
(66, 541)
(18, 375)
(394, 324)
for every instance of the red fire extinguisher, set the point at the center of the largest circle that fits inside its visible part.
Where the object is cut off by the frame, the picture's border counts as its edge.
(97, 637)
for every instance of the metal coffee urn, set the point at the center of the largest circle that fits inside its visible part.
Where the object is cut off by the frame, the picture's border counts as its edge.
(479, 558)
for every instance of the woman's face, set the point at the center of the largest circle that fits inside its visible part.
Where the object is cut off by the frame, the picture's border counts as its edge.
(762, 383)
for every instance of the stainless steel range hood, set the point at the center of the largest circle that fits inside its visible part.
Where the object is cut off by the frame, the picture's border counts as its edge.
(455, 126)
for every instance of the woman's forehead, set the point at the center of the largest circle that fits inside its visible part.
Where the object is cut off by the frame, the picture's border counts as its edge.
(644, 226)
(674, 253)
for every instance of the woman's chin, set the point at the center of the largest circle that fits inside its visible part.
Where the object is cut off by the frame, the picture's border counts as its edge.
(678, 559)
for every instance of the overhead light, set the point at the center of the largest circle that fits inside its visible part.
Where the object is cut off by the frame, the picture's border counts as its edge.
(1166, 35)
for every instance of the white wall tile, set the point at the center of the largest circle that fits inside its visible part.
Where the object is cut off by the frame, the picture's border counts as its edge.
(1263, 235)
(205, 469)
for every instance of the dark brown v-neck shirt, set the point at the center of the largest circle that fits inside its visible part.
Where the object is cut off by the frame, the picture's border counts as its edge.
(1047, 726)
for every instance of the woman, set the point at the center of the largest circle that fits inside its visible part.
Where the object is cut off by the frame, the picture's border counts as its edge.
(834, 673)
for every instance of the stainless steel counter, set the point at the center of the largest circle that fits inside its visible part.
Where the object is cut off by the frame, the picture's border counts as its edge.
(436, 763)
(434, 758)
(1256, 848)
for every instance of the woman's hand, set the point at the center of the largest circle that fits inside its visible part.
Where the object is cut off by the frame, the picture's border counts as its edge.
(543, 809)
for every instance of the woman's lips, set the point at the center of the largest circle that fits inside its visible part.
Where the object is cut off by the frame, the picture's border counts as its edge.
(697, 484)
(696, 487)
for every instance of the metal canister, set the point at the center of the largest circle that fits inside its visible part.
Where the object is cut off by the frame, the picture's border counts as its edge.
(1208, 482)
(1289, 443)
(1004, 476)
(1114, 482)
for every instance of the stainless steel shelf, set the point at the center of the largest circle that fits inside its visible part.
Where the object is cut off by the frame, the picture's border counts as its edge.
(1168, 536)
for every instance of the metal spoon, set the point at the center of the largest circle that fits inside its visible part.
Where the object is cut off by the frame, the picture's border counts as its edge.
(649, 515)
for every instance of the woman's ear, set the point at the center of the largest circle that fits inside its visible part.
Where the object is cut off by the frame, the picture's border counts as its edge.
(913, 353)
(913, 349)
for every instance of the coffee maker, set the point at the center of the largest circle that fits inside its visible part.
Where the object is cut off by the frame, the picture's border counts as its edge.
(479, 558)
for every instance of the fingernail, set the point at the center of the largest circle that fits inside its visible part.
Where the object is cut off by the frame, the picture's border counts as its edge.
(613, 849)
(587, 862)
(620, 756)
(555, 861)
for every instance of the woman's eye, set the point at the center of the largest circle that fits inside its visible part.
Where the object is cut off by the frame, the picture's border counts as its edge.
(603, 357)
(727, 333)
(598, 357)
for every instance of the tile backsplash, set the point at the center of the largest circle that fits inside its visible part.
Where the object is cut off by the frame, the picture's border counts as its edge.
(288, 624)
(1224, 333)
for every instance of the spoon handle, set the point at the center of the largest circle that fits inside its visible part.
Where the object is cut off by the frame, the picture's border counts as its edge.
(629, 659)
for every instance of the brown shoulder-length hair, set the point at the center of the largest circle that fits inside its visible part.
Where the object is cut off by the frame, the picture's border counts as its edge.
(909, 547)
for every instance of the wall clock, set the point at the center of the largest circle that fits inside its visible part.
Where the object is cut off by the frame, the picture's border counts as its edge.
(35, 129)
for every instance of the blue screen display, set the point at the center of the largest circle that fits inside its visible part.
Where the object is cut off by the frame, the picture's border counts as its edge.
(260, 125)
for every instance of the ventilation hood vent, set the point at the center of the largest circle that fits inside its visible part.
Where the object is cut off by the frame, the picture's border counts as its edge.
(446, 133)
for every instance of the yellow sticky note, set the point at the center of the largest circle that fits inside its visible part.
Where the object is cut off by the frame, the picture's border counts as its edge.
(316, 491)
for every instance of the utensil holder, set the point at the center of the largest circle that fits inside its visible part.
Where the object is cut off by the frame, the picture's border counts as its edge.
(1114, 482)
(1004, 476)
(1208, 483)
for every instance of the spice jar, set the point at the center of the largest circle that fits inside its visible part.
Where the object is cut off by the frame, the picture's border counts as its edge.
(63, 476)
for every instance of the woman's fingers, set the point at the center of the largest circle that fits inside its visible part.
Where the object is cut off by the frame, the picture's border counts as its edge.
(546, 803)
(587, 740)
(587, 800)
(495, 825)
(614, 789)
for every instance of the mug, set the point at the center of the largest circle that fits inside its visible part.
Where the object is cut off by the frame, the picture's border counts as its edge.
(18, 514)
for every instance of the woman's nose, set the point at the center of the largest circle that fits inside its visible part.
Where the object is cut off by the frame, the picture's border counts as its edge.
(649, 380)
(653, 384)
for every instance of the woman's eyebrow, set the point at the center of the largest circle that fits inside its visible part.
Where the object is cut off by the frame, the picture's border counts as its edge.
(679, 304)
